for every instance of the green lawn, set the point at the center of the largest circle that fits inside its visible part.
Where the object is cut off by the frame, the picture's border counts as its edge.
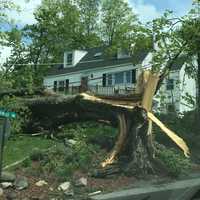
(21, 146)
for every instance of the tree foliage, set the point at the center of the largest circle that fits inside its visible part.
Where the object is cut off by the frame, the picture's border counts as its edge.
(118, 22)
(5, 7)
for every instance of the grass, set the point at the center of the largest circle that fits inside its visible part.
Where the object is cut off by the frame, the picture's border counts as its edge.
(19, 147)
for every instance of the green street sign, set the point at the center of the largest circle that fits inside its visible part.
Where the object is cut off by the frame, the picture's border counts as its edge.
(7, 114)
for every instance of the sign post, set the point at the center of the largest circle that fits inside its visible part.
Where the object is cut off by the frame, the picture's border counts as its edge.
(4, 132)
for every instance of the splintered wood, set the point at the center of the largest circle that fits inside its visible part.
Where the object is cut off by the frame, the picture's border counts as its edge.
(149, 89)
(120, 141)
(179, 141)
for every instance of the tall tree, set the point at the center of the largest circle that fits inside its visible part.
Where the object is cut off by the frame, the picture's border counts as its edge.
(5, 7)
(57, 26)
(89, 18)
(117, 22)
(17, 70)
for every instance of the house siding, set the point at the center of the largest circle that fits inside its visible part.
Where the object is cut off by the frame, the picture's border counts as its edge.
(95, 77)
(188, 86)
(166, 97)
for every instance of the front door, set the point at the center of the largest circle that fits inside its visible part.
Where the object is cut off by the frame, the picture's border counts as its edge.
(84, 83)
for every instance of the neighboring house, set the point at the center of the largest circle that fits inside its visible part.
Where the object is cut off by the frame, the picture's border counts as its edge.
(178, 91)
(93, 70)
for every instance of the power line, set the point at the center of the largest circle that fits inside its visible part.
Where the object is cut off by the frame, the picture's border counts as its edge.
(42, 64)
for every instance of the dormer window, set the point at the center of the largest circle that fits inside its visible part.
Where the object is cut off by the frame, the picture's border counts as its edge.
(73, 57)
(69, 58)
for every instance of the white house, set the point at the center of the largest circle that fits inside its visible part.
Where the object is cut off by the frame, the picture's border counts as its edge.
(92, 69)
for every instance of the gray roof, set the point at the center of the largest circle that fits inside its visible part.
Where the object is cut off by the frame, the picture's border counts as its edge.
(89, 61)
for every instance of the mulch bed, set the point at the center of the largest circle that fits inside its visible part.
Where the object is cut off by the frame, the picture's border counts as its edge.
(49, 191)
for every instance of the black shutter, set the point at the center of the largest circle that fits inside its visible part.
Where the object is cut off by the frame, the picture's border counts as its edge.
(66, 84)
(104, 80)
(55, 86)
(134, 76)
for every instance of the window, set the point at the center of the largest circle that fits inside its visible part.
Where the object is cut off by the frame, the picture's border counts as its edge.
(170, 84)
(119, 78)
(69, 58)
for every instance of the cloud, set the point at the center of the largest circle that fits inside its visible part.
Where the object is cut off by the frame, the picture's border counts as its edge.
(151, 9)
(146, 12)
(4, 54)
(146, 9)
(27, 9)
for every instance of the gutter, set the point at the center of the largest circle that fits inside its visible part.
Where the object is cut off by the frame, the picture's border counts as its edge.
(87, 70)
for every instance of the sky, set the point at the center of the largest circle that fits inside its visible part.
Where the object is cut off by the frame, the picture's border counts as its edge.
(150, 9)
(146, 9)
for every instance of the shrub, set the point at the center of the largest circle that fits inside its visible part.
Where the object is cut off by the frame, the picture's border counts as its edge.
(64, 171)
(175, 162)
(83, 154)
(26, 163)
(23, 113)
(90, 132)
(37, 155)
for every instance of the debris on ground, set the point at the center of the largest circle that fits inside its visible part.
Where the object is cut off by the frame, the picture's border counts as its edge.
(21, 183)
(41, 183)
(81, 182)
(6, 185)
(8, 177)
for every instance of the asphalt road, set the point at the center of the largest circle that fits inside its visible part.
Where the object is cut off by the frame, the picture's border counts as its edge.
(177, 190)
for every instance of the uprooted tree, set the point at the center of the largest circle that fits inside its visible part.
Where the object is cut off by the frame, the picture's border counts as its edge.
(134, 150)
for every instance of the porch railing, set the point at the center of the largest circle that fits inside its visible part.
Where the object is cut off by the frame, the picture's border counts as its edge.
(95, 89)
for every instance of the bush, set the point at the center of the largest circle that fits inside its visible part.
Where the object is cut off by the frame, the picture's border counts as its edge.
(23, 113)
(175, 162)
(90, 132)
(37, 155)
(186, 127)
(26, 163)
(64, 171)
(83, 154)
